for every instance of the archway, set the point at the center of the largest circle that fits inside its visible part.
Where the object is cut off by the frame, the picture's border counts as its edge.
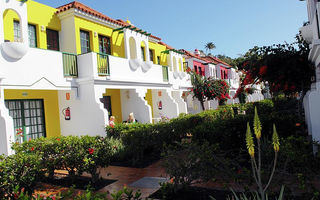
(133, 49)
(12, 26)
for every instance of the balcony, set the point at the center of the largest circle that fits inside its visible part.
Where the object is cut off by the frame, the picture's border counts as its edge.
(102, 67)
(38, 69)
(70, 65)
(165, 73)
(306, 32)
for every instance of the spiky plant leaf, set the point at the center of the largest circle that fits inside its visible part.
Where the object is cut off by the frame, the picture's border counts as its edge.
(249, 141)
(275, 139)
(257, 124)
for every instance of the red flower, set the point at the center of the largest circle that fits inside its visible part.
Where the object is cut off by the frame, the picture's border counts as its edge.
(188, 69)
(263, 70)
(91, 150)
(32, 149)
(58, 139)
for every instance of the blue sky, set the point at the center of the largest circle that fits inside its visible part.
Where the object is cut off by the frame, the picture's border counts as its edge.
(233, 25)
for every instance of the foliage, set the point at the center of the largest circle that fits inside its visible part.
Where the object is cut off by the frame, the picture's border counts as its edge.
(71, 153)
(209, 46)
(284, 66)
(189, 163)
(123, 194)
(256, 196)
(19, 170)
(208, 88)
(256, 164)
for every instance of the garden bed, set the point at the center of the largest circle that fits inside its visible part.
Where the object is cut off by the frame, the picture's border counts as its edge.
(81, 182)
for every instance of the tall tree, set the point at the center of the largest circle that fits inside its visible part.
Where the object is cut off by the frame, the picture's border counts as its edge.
(209, 46)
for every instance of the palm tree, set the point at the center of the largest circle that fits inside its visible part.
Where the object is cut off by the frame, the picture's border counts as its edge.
(209, 46)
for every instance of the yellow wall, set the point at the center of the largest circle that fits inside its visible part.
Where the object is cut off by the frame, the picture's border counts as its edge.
(8, 17)
(51, 106)
(117, 41)
(38, 15)
(42, 15)
(149, 99)
(115, 103)
(158, 48)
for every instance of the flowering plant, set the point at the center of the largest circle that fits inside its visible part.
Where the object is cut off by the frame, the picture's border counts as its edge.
(285, 66)
(205, 89)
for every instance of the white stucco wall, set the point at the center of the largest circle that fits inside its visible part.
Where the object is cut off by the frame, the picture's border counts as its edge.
(132, 101)
(88, 116)
(170, 107)
(38, 69)
(6, 128)
(182, 105)
(312, 112)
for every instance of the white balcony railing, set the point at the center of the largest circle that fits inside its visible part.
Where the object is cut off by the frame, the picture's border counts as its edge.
(118, 69)
(37, 69)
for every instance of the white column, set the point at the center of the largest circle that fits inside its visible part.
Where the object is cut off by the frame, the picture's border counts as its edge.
(6, 126)
(182, 105)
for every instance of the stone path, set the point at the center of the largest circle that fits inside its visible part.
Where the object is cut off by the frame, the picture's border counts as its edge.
(144, 179)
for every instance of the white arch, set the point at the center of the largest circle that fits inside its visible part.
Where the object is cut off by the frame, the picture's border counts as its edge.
(174, 60)
(19, 19)
(133, 48)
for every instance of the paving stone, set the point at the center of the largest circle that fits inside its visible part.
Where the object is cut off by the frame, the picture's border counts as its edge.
(149, 182)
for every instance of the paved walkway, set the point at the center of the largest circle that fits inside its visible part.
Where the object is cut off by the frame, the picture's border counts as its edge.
(144, 179)
(135, 178)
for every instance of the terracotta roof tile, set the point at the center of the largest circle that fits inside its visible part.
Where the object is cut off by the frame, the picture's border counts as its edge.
(86, 9)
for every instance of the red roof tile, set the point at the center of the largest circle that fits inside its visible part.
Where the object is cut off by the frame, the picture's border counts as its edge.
(93, 12)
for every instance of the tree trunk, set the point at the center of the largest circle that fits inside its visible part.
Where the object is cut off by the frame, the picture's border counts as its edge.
(202, 105)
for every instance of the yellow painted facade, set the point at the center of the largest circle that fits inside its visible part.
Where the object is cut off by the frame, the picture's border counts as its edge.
(51, 106)
(8, 17)
(42, 15)
(117, 41)
(158, 48)
(38, 15)
(115, 103)
(149, 99)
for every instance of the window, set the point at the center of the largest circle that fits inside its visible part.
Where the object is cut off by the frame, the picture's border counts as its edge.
(151, 55)
(107, 104)
(142, 54)
(32, 35)
(16, 31)
(28, 116)
(158, 59)
(104, 45)
(52, 39)
(85, 41)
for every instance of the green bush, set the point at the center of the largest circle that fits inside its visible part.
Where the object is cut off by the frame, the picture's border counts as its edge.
(189, 163)
(19, 170)
(71, 153)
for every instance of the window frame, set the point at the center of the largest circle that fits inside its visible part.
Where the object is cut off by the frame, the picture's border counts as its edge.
(35, 36)
(87, 48)
(16, 31)
(143, 54)
(102, 48)
(151, 55)
(56, 39)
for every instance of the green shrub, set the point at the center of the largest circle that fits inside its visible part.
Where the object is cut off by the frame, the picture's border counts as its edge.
(71, 153)
(19, 170)
(190, 163)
